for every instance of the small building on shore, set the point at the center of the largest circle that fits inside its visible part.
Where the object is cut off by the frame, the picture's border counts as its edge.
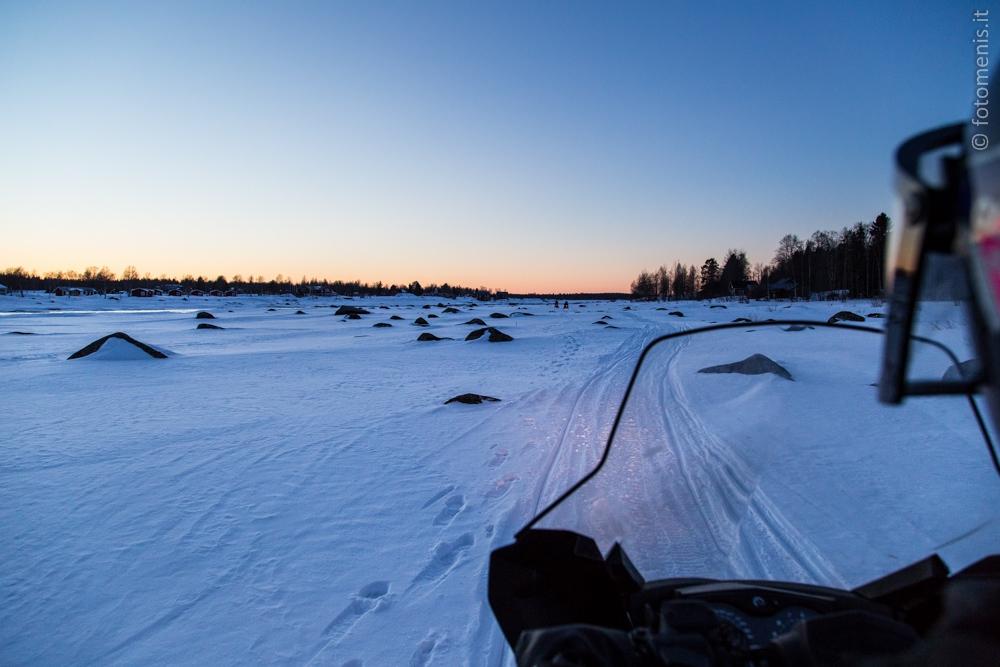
(73, 290)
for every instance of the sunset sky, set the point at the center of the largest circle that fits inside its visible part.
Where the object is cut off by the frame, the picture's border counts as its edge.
(549, 146)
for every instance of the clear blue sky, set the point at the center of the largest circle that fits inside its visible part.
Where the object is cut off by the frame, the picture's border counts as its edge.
(548, 146)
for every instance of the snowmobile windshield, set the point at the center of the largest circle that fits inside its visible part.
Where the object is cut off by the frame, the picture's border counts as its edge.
(761, 452)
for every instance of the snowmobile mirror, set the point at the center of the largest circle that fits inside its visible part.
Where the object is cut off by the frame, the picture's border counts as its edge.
(925, 237)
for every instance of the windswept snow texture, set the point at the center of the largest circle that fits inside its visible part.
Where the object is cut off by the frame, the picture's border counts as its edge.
(294, 490)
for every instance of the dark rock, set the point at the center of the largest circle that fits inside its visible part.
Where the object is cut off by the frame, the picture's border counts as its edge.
(521, 313)
(965, 370)
(381, 325)
(496, 336)
(846, 316)
(270, 310)
(476, 321)
(426, 306)
(396, 317)
(611, 326)
(498, 316)
(797, 327)
(96, 345)
(352, 316)
(676, 313)
(450, 311)
(627, 308)
(470, 399)
(718, 305)
(431, 315)
(606, 317)
(421, 322)
(204, 315)
(601, 322)
(300, 312)
(206, 325)
(428, 336)
(21, 333)
(877, 316)
(755, 364)
(351, 310)
(384, 307)
(661, 308)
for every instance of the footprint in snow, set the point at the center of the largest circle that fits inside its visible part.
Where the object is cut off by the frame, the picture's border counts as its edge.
(498, 458)
(369, 598)
(451, 508)
(438, 496)
(500, 487)
(444, 558)
(425, 649)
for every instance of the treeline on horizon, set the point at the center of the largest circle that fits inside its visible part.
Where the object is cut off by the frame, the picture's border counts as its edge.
(849, 262)
(104, 280)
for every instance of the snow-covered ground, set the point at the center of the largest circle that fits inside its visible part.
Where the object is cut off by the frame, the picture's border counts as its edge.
(292, 489)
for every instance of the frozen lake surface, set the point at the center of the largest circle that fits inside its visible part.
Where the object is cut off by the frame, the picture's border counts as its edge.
(292, 489)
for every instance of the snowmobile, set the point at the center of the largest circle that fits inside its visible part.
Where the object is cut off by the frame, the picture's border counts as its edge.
(750, 498)
(764, 499)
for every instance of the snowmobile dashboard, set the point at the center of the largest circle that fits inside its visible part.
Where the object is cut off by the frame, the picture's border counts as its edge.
(750, 614)
(559, 601)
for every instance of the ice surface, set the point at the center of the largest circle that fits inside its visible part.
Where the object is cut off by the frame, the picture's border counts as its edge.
(292, 490)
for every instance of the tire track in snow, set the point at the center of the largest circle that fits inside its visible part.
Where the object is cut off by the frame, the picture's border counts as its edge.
(561, 468)
(743, 522)
(601, 380)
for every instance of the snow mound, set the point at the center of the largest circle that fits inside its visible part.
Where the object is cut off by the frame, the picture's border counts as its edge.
(755, 364)
(118, 347)
(846, 316)
(471, 399)
(427, 336)
(351, 310)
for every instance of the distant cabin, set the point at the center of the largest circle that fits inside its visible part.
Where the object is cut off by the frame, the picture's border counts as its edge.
(742, 288)
(320, 290)
(141, 291)
(74, 291)
(3, 289)
(215, 292)
(197, 292)
(175, 291)
(782, 289)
